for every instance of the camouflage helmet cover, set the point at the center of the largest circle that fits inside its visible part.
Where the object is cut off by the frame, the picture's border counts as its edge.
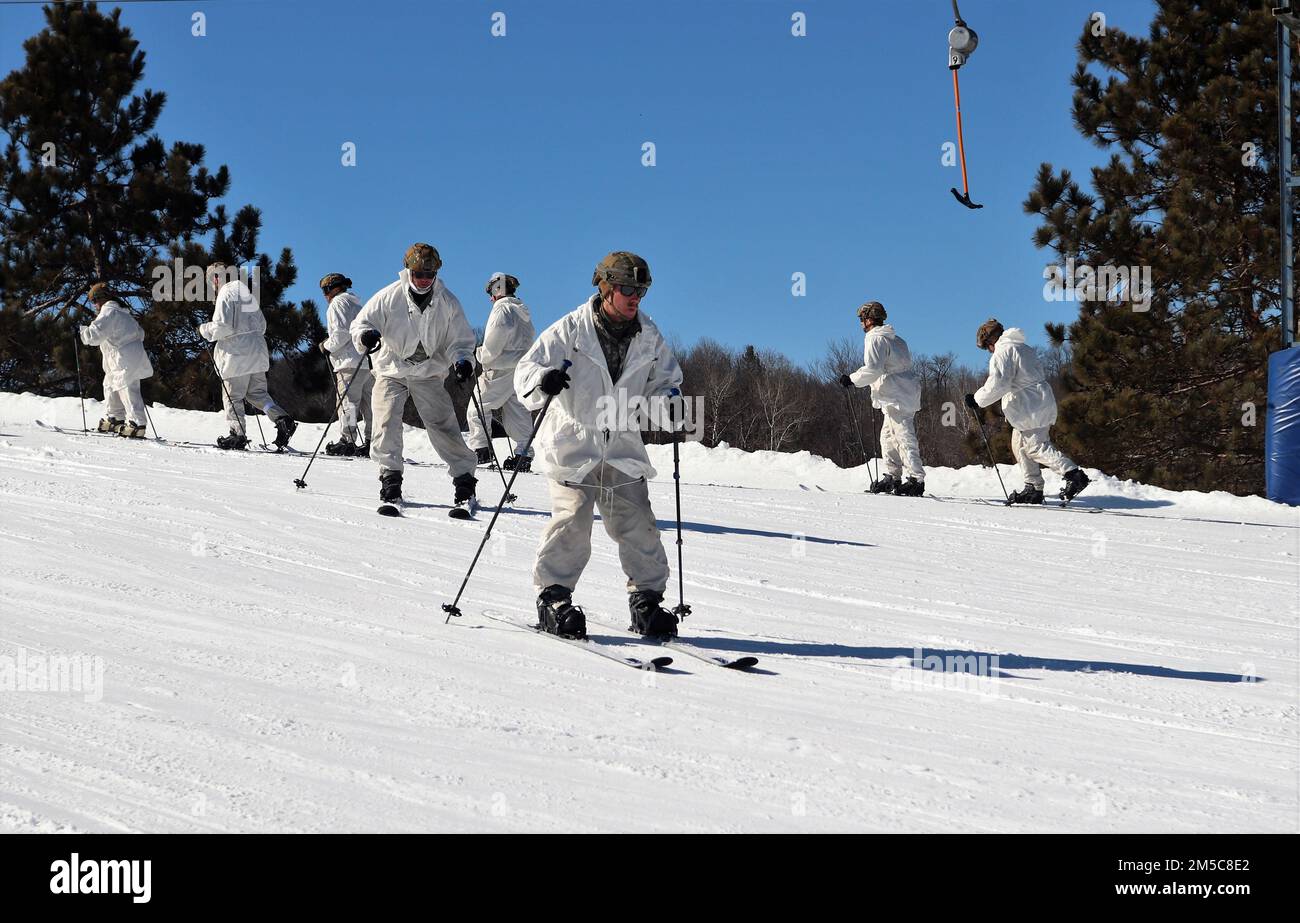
(423, 257)
(334, 280)
(622, 268)
(988, 333)
(873, 310)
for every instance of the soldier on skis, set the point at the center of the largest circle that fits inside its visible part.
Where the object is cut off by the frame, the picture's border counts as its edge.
(238, 332)
(1016, 377)
(617, 354)
(508, 335)
(420, 332)
(352, 380)
(121, 344)
(895, 389)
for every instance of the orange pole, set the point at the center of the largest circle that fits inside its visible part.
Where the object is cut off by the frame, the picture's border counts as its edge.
(961, 144)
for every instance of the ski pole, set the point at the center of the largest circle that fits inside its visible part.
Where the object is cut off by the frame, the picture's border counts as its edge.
(301, 482)
(857, 430)
(681, 610)
(451, 607)
(979, 426)
(243, 429)
(76, 351)
(149, 419)
(473, 394)
(876, 452)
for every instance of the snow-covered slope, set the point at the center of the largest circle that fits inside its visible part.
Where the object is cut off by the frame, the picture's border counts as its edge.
(276, 659)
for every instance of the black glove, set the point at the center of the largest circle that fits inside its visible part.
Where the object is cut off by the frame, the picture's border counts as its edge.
(370, 340)
(554, 381)
(846, 381)
(464, 370)
(321, 347)
(971, 402)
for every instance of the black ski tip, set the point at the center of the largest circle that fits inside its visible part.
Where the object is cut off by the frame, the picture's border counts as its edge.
(658, 663)
(742, 663)
(456, 513)
(389, 510)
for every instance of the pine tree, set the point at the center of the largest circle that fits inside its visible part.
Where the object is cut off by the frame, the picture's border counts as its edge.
(88, 192)
(1190, 190)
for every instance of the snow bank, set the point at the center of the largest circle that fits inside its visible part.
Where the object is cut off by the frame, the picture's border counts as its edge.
(725, 466)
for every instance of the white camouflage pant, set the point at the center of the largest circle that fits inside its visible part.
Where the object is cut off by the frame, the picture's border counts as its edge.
(496, 389)
(356, 400)
(125, 403)
(251, 388)
(898, 446)
(433, 403)
(624, 506)
(1033, 449)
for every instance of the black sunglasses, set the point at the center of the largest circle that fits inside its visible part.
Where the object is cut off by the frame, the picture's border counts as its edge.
(630, 290)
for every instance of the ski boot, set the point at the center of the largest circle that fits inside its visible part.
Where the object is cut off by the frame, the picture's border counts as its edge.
(1026, 494)
(284, 428)
(885, 485)
(649, 618)
(109, 425)
(1075, 482)
(131, 430)
(362, 450)
(521, 463)
(484, 455)
(344, 447)
(465, 503)
(910, 488)
(390, 485)
(232, 441)
(557, 615)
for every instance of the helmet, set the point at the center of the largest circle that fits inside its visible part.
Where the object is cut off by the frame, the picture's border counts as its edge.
(988, 333)
(873, 310)
(501, 284)
(621, 268)
(423, 257)
(334, 280)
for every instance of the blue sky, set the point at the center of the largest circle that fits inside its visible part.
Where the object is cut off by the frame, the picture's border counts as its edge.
(775, 154)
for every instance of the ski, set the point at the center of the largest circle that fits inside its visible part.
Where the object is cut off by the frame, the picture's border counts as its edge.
(1055, 504)
(76, 432)
(746, 662)
(388, 509)
(654, 664)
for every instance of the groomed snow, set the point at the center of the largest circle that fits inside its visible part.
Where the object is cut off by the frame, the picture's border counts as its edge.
(276, 659)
